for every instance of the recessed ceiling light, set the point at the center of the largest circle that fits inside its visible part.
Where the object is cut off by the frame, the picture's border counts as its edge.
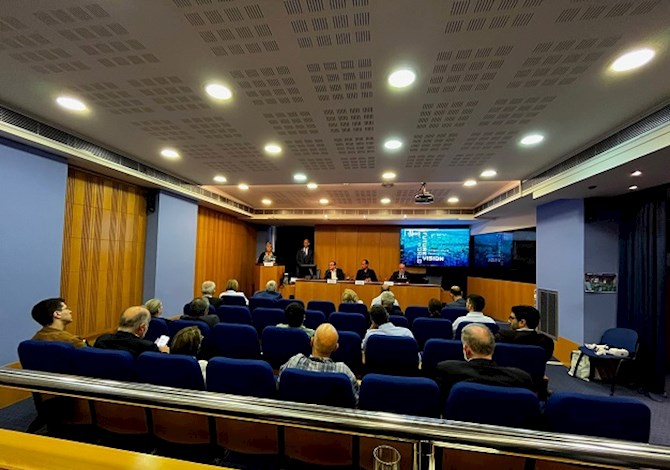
(323, 201)
(389, 175)
(218, 91)
(220, 179)
(452, 200)
(72, 104)
(243, 187)
(532, 139)
(632, 60)
(325, 216)
(469, 183)
(488, 173)
(404, 216)
(402, 78)
(273, 149)
(385, 200)
(312, 185)
(170, 153)
(392, 144)
(636, 173)
(632, 188)
(300, 177)
(266, 201)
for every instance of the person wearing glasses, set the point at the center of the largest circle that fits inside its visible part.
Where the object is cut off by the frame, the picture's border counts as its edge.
(523, 322)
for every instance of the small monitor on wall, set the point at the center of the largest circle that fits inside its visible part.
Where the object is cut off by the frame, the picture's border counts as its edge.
(441, 247)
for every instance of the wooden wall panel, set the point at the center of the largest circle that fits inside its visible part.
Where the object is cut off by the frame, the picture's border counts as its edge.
(501, 295)
(349, 244)
(103, 250)
(225, 249)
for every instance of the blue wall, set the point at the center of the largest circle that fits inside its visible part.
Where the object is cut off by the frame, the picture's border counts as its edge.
(560, 261)
(32, 210)
(169, 266)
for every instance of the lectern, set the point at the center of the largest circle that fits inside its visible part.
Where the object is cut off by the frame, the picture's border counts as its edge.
(263, 274)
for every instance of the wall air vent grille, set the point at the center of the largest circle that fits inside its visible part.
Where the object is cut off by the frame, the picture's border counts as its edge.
(339, 213)
(547, 304)
(45, 131)
(498, 199)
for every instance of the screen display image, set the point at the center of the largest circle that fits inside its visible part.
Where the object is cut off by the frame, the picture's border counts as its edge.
(435, 247)
(493, 250)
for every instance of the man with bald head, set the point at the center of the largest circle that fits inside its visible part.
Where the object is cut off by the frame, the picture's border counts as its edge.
(129, 336)
(478, 345)
(324, 343)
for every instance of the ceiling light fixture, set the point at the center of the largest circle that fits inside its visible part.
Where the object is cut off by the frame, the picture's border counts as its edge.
(401, 78)
(636, 173)
(312, 185)
(220, 179)
(392, 144)
(632, 188)
(632, 60)
(385, 200)
(452, 200)
(300, 177)
(389, 175)
(469, 183)
(323, 201)
(218, 91)
(532, 139)
(170, 153)
(266, 201)
(404, 216)
(243, 187)
(71, 104)
(488, 173)
(273, 149)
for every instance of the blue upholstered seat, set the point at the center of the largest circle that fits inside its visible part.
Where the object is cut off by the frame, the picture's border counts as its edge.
(452, 313)
(399, 320)
(157, 328)
(314, 318)
(322, 388)
(353, 308)
(105, 364)
(256, 302)
(234, 314)
(263, 317)
(280, 344)
(349, 350)
(170, 370)
(415, 311)
(428, 328)
(47, 356)
(325, 306)
(417, 396)
(249, 377)
(355, 322)
(438, 350)
(393, 355)
(235, 341)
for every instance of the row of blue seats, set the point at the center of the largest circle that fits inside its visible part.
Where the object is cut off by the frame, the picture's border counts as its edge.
(621, 418)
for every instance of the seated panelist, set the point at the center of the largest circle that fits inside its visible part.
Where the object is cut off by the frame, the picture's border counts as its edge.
(365, 273)
(333, 272)
(400, 275)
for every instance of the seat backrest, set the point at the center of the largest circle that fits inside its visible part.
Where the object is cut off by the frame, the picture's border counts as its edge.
(263, 317)
(427, 328)
(47, 356)
(392, 355)
(255, 302)
(416, 396)
(105, 364)
(234, 314)
(280, 344)
(353, 308)
(314, 318)
(283, 303)
(438, 350)
(170, 370)
(349, 350)
(355, 322)
(612, 417)
(235, 341)
(621, 338)
(452, 313)
(248, 377)
(321, 388)
(488, 404)
(325, 306)
(415, 311)
(233, 300)
(157, 328)
(399, 320)
(175, 326)
(491, 326)
(187, 309)
(531, 359)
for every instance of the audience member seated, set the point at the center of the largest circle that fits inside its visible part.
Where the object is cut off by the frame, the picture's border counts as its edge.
(400, 275)
(270, 291)
(155, 307)
(475, 304)
(209, 290)
(378, 300)
(434, 308)
(232, 288)
(350, 297)
(389, 302)
(365, 273)
(188, 342)
(198, 312)
(295, 318)
(523, 322)
(324, 343)
(457, 299)
(382, 326)
(129, 336)
(54, 315)
(478, 345)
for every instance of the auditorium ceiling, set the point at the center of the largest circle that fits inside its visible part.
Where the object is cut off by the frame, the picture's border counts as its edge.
(311, 76)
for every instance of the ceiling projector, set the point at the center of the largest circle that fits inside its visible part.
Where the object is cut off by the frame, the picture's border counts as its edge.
(423, 196)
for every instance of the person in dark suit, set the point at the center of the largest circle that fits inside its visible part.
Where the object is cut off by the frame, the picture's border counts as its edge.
(209, 290)
(523, 322)
(400, 275)
(267, 256)
(129, 336)
(365, 273)
(457, 299)
(478, 367)
(197, 310)
(303, 256)
(334, 272)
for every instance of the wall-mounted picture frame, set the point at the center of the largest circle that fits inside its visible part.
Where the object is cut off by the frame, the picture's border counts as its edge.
(600, 283)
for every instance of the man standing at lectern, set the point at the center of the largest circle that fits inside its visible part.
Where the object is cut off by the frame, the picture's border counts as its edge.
(305, 256)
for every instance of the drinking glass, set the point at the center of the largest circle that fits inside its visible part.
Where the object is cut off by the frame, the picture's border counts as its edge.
(386, 458)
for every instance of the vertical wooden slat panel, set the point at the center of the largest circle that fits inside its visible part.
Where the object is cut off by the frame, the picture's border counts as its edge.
(103, 250)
